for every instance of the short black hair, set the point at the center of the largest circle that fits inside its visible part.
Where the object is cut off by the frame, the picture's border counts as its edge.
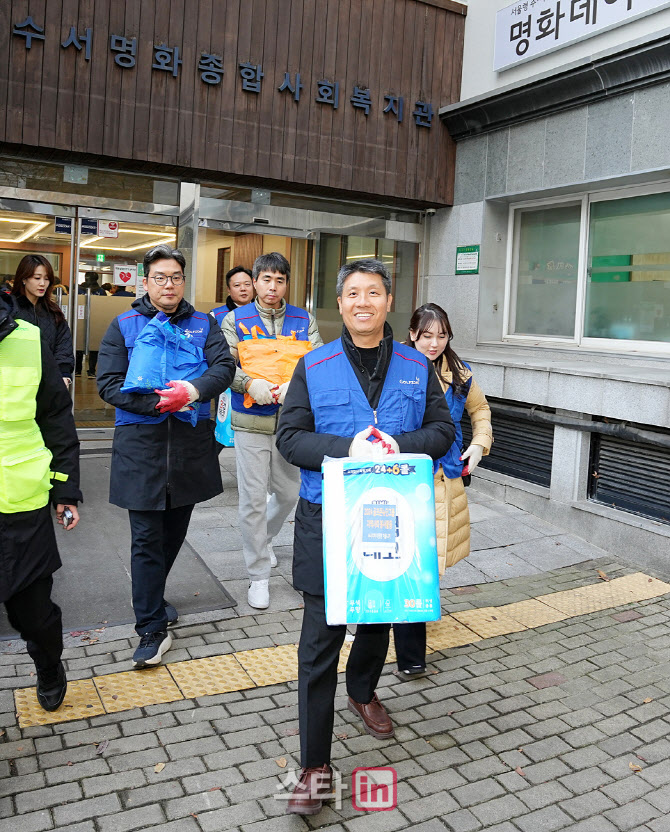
(367, 266)
(273, 262)
(163, 252)
(236, 270)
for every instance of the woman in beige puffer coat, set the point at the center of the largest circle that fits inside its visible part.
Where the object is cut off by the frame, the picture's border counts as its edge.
(430, 333)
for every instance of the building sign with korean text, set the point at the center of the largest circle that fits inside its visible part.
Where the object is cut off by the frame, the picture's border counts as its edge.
(530, 28)
(170, 59)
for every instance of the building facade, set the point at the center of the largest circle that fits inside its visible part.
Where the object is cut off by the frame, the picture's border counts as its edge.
(562, 190)
(229, 128)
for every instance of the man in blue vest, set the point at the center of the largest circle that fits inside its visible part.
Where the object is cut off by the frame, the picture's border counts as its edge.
(337, 394)
(267, 484)
(161, 464)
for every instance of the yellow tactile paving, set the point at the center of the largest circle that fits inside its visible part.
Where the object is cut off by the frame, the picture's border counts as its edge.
(270, 665)
(644, 586)
(81, 701)
(488, 622)
(448, 632)
(136, 689)
(636, 587)
(569, 602)
(205, 677)
(532, 613)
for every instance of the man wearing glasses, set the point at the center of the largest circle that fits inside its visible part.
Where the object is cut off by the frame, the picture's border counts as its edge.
(161, 464)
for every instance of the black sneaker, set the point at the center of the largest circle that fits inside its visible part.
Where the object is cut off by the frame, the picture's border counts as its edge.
(51, 687)
(171, 612)
(151, 649)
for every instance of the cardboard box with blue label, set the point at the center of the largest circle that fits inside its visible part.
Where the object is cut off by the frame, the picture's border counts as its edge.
(379, 542)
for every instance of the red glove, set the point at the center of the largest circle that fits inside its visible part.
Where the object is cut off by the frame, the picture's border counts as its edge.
(172, 400)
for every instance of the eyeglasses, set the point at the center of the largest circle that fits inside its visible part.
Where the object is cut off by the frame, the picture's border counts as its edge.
(162, 279)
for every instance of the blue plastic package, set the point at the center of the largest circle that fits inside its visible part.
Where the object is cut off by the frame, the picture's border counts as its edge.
(163, 352)
(224, 433)
(379, 540)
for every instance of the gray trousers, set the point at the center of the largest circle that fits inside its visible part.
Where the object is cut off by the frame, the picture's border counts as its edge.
(262, 471)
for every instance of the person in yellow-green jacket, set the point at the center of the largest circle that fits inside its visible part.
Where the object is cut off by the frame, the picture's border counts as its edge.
(39, 464)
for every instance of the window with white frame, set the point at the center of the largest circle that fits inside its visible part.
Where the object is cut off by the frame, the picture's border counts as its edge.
(592, 271)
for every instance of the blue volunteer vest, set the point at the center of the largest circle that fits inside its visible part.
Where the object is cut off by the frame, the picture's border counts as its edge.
(220, 313)
(295, 320)
(341, 407)
(450, 462)
(131, 324)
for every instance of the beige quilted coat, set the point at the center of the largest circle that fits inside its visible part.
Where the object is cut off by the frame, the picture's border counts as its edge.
(452, 516)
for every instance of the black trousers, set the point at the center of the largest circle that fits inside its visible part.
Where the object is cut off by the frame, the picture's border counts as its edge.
(318, 655)
(410, 644)
(157, 537)
(92, 361)
(38, 620)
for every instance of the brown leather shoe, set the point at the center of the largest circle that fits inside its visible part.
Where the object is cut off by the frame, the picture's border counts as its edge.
(315, 786)
(375, 719)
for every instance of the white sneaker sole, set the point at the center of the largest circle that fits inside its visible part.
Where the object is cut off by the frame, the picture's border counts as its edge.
(258, 606)
(165, 646)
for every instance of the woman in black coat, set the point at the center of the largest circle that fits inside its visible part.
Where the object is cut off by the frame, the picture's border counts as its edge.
(33, 284)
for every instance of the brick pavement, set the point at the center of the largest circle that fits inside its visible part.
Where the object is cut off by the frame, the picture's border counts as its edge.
(481, 743)
(536, 730)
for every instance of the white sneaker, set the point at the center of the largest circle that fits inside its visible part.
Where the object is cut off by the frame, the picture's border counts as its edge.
(273, 557)
(258, 596)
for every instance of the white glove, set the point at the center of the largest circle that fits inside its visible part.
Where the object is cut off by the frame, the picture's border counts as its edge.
(262, 391)
(387, 443)
(361, 447)
(474, 456)
(280, 392)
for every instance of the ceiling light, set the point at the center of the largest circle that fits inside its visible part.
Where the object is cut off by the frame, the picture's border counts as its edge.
(33, 229)
(163, 236)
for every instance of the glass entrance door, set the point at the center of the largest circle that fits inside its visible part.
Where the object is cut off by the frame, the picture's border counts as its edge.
(37, 228)
(109, 275)
(220, 250)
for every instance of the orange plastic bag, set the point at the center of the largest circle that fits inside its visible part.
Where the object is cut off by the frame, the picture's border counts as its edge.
(273, 359)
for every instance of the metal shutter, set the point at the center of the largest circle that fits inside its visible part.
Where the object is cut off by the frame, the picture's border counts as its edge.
(521, 448)
(633, 476)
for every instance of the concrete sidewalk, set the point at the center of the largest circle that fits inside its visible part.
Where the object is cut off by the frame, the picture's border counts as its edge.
(561, 726)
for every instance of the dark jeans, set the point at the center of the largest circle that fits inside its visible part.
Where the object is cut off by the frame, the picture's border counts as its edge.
(318, 655)
(157, 537)
(410, 644)
(38, 620)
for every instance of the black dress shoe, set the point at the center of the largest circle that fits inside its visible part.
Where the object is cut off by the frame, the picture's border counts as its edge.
(51, 687)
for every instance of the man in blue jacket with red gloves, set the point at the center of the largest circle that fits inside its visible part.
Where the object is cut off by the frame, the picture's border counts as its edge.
(161, 464)
(338, 393)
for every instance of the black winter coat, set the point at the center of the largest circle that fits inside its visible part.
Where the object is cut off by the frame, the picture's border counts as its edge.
(28, 549)
(301, 446)
(152, 461)
(55, 333)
